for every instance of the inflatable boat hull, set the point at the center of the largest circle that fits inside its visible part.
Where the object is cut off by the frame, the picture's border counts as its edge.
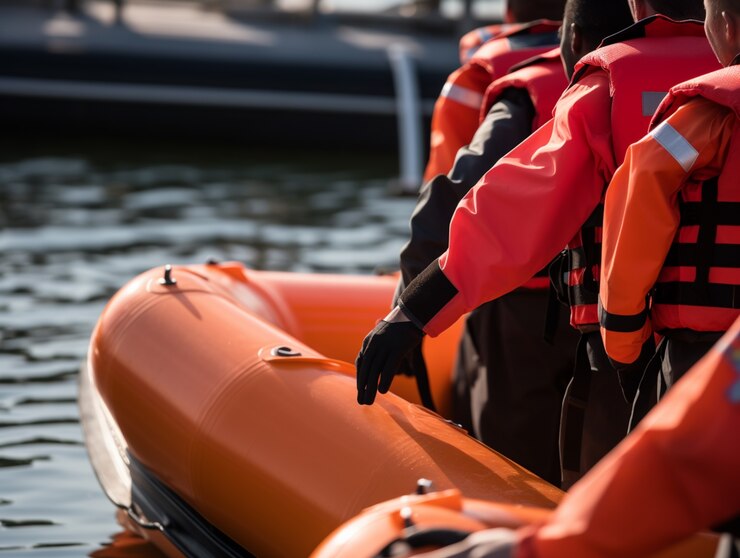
(220, 413)
(258, 430)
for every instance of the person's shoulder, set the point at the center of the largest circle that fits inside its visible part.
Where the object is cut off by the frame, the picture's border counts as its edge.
(587, 103)
(701, 122)
(593, 82)
(700, 111)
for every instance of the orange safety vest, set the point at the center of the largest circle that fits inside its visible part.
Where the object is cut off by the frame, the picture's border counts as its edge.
(472, 40)
(699, 285)
(544, 79)
(456, 111)
(643, 62)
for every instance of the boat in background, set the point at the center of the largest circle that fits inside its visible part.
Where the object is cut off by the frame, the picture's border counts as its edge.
(219, 414)
(229, 70)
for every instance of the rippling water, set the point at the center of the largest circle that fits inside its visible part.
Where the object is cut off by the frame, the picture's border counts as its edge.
(79, 221)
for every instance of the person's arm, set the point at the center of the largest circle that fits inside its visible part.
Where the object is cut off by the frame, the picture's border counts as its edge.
(641, 216)
(522, 212)
(676, 474)
(507, 124)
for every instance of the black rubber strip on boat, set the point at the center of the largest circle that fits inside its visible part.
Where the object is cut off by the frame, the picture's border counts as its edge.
(184, 527)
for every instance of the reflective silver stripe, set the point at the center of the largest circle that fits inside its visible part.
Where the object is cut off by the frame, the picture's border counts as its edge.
(651, 101)
(675, 144)
(396, 316)
(484, 34)
(469, 53)
(464, 96)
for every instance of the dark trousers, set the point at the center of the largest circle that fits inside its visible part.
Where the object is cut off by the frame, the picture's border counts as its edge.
(676, 354)
(595, 414)
(509, 382)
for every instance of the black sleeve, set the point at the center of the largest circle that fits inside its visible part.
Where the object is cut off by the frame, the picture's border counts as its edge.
(506, 125)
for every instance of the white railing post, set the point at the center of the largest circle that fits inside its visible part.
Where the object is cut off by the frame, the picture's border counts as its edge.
(408, 113)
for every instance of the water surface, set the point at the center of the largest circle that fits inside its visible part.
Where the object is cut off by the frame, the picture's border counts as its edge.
(78, 220)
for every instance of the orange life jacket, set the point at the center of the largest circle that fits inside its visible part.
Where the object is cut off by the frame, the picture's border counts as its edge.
(643, 62)
(456, 111)
(544, 79)
(699, 286)
(472, 40)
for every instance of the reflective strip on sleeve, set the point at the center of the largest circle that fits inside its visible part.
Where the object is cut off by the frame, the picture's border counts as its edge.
(675, 144)
(462, 95)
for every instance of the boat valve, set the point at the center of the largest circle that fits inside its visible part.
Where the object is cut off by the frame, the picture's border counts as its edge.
(284, 352)
(168, 280)
(423, 486)
(406, 514)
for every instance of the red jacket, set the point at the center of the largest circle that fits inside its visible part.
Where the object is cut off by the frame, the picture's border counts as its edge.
(523, 100)
(684, 253)
(456, 111)
(536, 199)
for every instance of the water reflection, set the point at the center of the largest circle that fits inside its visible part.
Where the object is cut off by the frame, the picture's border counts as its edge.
(77, 224)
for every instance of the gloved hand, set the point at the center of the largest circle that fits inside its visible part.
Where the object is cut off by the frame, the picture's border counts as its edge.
(383, 353)
(629, 381)
(413, 361)
(630, 375)
(407, 365)
(414, 365)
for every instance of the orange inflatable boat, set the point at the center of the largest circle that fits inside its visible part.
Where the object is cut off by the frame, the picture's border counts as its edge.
(220, 415)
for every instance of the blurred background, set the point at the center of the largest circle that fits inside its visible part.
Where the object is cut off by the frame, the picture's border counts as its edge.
(139, 133)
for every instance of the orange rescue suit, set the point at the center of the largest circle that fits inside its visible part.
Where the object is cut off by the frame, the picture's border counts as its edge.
(473, 40)
(456, 112)
(672, 220)
(536, 199)
(667, 59)
(674, 475)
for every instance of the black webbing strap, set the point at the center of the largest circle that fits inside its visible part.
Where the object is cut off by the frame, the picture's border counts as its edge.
(422, 383)
(621, 322)
(557, 295)
(726, 213)
(588, 237)
(552, 315)
(719, 295)
(573, 415)
(707, 232)
(648, 392)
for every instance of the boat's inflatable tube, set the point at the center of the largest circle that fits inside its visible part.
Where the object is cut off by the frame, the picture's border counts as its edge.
(406, 525)
(218, 386)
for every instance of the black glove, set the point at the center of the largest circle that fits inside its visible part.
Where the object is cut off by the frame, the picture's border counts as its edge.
(413, 360)
(383, 353)
(630, 375)
(629, 381)
(415, 366)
